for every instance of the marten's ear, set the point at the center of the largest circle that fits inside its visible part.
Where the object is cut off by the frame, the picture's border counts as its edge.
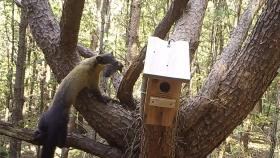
(105, 58)
(100, 59)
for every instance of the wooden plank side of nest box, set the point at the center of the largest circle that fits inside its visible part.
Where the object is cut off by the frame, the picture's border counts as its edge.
(162, 102)
(159, 114)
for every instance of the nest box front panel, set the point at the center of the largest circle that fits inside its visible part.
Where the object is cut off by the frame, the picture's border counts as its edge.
(162, 101)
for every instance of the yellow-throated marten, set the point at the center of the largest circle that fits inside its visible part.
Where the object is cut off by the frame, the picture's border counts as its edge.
(52, 127)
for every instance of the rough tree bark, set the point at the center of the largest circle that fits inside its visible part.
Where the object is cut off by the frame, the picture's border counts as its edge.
(46, 32)
(232, 89)
(228, 95)
(186, 31)
(133, 29)
(70, 24)
(240, 33)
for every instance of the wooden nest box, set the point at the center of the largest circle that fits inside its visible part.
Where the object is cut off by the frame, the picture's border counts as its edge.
(166, 68)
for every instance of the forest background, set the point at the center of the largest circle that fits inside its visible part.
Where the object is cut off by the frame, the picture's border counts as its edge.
(123, 27)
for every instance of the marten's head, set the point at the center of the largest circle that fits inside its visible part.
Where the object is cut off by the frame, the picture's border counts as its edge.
(110, 62)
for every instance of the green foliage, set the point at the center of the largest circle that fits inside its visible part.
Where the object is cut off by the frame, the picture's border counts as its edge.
(3, 152)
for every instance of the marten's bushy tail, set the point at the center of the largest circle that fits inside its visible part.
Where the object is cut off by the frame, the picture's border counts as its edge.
(50, 143)
(48, 150)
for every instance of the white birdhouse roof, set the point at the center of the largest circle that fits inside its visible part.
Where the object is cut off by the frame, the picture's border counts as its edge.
(167, 59)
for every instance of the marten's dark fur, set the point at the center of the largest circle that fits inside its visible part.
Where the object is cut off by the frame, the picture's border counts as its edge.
(52, 127)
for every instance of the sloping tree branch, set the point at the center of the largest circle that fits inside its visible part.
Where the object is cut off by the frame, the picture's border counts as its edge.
(232, 89)
(111, 121)
(237, 38)
(240, 33)
(188, 27)
(46, 32)
(126, 86)
(84, 52)
(73, 140)
(70, 24)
